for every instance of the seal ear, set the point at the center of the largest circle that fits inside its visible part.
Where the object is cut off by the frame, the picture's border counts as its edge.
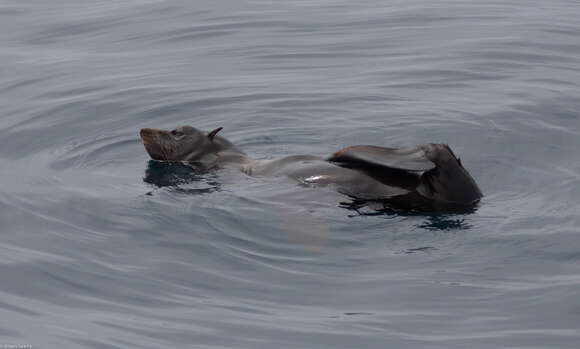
(212, 134)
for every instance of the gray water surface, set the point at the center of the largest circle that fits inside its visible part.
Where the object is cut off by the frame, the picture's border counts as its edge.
(101, 248)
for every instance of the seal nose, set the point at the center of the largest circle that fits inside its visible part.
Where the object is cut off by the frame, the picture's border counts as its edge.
(148, 134)
(145, 132)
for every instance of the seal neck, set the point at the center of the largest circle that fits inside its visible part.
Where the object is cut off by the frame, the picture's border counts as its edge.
(233, 158)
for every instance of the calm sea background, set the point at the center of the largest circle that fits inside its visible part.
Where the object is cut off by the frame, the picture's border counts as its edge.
(101, 248)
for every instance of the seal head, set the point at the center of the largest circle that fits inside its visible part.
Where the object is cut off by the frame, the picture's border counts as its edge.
(188, 144)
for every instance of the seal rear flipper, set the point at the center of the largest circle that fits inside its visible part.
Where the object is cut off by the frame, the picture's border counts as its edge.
(403, 159)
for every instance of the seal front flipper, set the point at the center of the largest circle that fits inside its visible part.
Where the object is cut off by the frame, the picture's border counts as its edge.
(404, 159)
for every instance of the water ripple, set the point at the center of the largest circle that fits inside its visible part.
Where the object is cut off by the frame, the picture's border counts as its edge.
(103, 248)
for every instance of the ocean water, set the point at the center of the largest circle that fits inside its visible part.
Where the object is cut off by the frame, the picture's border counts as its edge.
(102, 248)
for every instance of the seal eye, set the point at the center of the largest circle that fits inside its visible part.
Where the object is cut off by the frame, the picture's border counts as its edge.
(177, 134)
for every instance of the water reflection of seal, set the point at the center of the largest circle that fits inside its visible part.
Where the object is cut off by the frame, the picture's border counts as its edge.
(427, 175)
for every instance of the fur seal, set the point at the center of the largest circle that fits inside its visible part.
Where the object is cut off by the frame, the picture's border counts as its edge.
(427, 176)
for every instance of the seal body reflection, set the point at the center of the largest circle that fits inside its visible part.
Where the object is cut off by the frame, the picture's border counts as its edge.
(423, 176)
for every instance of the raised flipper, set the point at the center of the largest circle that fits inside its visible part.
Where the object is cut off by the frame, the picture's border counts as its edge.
(404, 159)
(449, 184)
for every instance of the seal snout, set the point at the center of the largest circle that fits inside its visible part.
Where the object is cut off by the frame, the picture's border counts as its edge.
(153, 143)
(146, 133)
(150, 136)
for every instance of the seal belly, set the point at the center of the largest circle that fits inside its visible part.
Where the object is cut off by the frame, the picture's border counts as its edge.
(316, 172)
